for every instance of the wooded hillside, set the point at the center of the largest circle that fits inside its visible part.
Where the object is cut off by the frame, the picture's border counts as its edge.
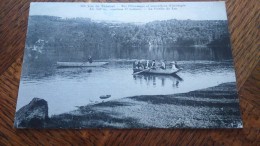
(52, 39)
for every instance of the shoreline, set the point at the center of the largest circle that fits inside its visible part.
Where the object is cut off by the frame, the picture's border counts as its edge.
(213, 107)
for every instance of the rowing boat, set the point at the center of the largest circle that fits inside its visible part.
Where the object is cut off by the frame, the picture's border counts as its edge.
(157, 71)
(80, 64)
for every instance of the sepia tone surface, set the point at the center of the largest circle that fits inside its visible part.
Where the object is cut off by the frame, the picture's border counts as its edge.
(243, 25)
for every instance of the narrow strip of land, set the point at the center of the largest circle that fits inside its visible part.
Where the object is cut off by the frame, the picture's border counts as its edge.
(214, 107)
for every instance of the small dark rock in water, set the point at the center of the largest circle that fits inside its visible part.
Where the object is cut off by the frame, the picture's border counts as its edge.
(32, 115)
(104, 96)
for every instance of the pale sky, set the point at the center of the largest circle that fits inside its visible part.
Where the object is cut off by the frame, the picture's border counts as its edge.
(133, 12)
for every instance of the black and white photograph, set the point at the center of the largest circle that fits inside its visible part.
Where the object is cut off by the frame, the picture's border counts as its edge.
(128, 65)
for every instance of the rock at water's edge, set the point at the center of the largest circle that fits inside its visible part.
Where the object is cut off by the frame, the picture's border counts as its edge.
(32, 115)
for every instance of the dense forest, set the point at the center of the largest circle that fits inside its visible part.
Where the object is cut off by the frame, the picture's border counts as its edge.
(52, 39)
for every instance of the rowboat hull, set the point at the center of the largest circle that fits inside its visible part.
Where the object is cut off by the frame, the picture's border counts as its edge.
(80, 64)
(157, 71)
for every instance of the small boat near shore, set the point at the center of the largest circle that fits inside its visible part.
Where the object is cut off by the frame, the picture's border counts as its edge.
(81, 64)
(156, 71)
(104, 96)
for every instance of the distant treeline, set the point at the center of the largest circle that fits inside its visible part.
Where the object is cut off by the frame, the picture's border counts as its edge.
(52, 39)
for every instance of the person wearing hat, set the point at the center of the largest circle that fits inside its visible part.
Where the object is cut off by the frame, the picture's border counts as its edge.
(174, 65)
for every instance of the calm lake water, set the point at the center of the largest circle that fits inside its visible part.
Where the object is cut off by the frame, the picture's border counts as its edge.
(66, 88)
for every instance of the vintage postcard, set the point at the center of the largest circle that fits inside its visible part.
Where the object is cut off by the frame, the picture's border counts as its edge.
(128, 65)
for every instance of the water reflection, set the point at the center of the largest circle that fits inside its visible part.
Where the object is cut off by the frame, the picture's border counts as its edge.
(159, 80)
(81, 86)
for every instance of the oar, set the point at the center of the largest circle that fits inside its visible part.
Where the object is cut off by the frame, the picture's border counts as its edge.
(140, 71)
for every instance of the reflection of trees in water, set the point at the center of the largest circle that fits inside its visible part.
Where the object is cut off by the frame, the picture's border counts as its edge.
(164, 52)
(201, 67)
(39, 73)
(157, 80)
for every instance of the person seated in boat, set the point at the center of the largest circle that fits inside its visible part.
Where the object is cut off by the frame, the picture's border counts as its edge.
(142, 66)
(147, 64)
(90, 59)
(135, 65)
(163, 65)
(139, 65)
(174, 65)
(153, 66)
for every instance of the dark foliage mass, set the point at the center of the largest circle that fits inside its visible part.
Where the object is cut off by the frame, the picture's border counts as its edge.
(52, 39)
